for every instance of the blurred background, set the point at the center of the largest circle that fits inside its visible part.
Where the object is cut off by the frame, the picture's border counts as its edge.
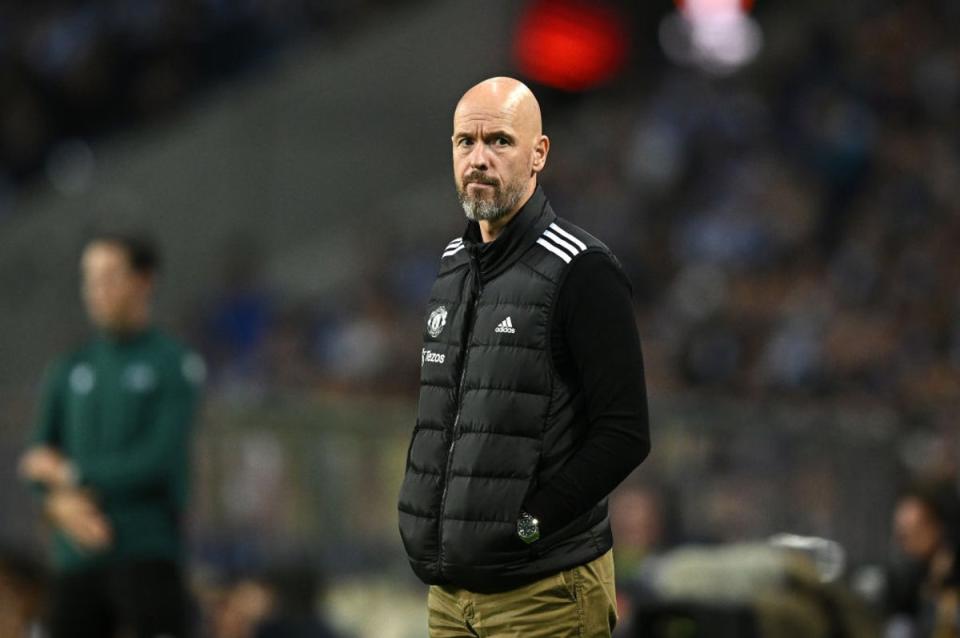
(781, 181)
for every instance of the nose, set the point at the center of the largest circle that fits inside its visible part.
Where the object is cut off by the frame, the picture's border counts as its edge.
(478, 157)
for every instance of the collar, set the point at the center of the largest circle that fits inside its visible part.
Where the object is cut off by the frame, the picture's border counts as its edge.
(492, 258)
(126, 339)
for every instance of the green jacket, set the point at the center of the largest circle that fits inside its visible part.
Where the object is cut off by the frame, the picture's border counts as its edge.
(122, 410)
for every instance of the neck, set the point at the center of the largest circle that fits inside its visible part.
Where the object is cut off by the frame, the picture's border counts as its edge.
(130, 326)
(491, 229)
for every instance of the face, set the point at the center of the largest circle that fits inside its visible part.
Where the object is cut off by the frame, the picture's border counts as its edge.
(495, 160)
(917, 530)
(637, 519)
(114, 294)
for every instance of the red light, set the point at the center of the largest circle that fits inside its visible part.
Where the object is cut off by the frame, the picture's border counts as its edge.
(570, 44)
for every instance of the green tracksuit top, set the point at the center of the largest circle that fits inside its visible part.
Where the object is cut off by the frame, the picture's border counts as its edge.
(121, 409)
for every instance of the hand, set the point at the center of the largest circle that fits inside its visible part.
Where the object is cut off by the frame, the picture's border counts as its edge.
(75, 513)
(46, 465)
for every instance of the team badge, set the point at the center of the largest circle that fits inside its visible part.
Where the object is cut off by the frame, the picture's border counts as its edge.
(436, 321)
(82, 379)
(140, 377)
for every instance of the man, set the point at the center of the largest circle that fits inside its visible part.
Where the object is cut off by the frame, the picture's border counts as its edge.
(109, 456)
(532, 403)
(926, 591)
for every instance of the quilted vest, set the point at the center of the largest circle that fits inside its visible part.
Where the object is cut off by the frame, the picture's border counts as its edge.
(495, 419)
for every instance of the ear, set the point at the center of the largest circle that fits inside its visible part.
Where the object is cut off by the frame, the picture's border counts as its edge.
(541, 147)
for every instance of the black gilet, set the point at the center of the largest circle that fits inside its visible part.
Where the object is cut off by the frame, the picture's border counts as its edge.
(495, 419)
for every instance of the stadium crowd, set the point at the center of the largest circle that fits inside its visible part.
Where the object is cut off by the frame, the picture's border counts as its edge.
(75, 71)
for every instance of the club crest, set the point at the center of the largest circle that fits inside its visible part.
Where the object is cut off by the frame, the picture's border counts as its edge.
(436, 321)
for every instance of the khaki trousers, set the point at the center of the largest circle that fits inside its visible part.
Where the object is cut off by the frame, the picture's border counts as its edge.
(577, 603)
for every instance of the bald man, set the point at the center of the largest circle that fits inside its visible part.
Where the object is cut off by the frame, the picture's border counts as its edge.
(532, 401)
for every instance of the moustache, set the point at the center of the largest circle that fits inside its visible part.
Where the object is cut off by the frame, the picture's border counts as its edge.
(478, 178)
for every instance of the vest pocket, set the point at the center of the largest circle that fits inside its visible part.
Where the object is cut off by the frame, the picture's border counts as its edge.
(575, 528)
(544, 545)
(481, 543)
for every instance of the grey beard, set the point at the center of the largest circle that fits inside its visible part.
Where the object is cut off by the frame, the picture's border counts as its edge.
(477, 210)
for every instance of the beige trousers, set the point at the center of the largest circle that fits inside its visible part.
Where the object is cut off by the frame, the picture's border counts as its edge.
(577, 603)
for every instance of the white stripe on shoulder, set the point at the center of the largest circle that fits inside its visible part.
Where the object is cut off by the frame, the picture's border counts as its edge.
(453, 244)
(452, 251)
(556, 251)
(569, 236)
(573, 250)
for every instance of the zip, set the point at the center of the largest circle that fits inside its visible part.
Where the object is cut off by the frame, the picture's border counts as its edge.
(470, 319)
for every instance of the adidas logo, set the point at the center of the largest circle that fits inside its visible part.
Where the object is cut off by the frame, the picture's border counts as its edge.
(506, 326)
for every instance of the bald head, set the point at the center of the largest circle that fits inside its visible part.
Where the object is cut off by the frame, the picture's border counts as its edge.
(505, 97)
(498, 148)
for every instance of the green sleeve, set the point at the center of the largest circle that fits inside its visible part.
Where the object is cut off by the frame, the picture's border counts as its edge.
(160, 456)
(48, 428)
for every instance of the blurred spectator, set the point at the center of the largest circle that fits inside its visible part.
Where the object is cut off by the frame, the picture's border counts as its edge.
(642, 526)
(239, 608)
(927, 589)
(283, 603)
(297, 593)
(641, 529)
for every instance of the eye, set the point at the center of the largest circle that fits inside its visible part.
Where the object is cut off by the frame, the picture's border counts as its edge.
(464, 141)
(502, 141)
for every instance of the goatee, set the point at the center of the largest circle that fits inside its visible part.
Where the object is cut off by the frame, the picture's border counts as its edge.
(503, 200)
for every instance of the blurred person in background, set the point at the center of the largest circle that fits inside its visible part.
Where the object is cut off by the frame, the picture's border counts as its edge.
(927, 590)
(296, 593)
(644, 526)
(280, 604)
(532, 401)
(239, 608)
(110, 453)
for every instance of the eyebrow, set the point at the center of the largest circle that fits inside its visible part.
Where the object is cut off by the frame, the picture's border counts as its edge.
(493, 133)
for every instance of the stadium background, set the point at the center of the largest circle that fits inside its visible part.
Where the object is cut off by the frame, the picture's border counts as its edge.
(787, 209)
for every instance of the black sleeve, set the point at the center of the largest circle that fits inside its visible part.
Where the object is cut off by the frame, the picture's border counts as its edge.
(596, 344)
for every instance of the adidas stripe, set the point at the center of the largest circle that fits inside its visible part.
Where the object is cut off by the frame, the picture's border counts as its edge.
(561, 243)
(579, 243)
(556, 251)
(453, 247)
(570, 248)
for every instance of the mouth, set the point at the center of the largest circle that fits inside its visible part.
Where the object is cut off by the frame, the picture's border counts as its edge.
(479, 183)
(474, 178)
